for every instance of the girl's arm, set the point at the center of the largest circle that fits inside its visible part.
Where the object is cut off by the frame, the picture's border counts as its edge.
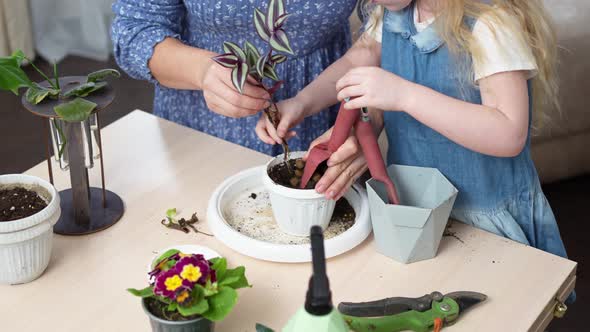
(499, 127)
(321, 93)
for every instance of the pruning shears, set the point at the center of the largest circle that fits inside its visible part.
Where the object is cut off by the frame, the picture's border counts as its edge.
(422, 314)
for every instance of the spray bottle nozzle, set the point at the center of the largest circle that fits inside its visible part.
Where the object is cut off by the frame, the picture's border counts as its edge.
(318, 301)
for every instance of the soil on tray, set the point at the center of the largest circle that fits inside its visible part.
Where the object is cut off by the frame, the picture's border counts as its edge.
(160, 310)
(254, 218)
(291, 176)
(17, 203)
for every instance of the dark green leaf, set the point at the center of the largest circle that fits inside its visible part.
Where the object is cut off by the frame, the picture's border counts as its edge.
(12, 77)
(198, 304)
(260, 65)
(262, 328)
(260, 25)
(270, 72)
(102, 74)
(19, 56)
(227, 60)
(239, 75)
(76, 110)
(172, 306)
(169, 253)
(280, 43)
(234, 49)
(210, 288)
(143, 293)
(55, 76)
(221, 304)
(220, 266)
(85, 89)
(235, 278)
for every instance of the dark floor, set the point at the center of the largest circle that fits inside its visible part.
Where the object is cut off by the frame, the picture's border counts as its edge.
(569, 199)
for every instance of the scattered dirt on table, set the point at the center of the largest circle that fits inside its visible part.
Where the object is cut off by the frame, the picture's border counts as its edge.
(291, 176)
(17, 203)
(449, 232)
(253, 195)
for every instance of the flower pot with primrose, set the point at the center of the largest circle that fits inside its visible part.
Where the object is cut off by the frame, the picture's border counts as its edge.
(296, 210)
(29, 207)
(188, 293)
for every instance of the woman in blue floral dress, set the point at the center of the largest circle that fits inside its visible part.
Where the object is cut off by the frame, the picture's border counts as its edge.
(171, 42)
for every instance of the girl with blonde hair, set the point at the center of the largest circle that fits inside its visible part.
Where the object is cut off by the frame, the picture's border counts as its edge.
(456, 84)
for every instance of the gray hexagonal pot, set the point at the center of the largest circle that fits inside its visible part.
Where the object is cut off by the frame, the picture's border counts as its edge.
(158, 324)
(411, 231)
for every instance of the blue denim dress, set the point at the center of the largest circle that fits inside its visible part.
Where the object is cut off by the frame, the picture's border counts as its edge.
(318, 31)
(499, 195)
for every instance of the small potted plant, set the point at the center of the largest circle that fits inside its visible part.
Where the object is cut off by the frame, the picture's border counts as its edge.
(189, 293)
(295, 210)
(29, 207)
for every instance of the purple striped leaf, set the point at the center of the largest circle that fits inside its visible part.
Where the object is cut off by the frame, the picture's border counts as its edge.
(270, 72)
(227, 60)
(260, 65)
(278, 58)
(234, 49)
(260, 25)
(280, 21)
(239, 76)
(280, 43)
(276, 8)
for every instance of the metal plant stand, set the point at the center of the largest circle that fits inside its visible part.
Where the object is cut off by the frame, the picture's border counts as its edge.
(85, 209)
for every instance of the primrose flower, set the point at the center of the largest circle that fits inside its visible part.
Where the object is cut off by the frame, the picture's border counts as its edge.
(168, 283)
(194, 269)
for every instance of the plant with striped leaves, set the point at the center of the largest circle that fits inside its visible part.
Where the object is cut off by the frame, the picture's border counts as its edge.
(249, 61)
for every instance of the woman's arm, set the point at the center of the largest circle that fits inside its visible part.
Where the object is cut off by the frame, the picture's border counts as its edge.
(146, 35)
(499, 127)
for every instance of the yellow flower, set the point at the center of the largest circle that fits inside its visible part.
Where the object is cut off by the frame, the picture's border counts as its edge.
(183, 296)
(173, 283)
(191, 273)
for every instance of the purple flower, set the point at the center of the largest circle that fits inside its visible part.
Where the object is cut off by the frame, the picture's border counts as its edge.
(193, 268)
(169, 283)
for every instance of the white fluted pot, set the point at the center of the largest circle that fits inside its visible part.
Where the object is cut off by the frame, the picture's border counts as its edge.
(25, 244)
(296, 210)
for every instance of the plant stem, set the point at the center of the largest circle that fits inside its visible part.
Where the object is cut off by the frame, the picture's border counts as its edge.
(55, 75)
(42, 74)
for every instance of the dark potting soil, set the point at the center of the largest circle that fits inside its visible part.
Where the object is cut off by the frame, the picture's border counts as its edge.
(343, 217)
(291, 176)
(160, 310)
(18, 203)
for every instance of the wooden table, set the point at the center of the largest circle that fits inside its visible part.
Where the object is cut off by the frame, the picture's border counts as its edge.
(155, 165)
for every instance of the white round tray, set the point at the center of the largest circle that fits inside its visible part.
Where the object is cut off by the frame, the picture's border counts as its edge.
(250, 180)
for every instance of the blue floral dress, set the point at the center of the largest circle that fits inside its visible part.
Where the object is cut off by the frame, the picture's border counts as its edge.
(318, 31)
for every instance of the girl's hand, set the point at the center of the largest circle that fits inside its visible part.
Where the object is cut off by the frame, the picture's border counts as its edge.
(223, 98)
(292, 112)
(345, 166)
(374, 87)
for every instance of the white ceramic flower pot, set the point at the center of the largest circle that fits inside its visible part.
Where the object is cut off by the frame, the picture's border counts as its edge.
(296, 210)
(25, 244)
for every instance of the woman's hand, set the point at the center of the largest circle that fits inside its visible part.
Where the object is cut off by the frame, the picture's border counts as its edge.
(292, 112)
(374, 87)
(223, 98)
(345, 166)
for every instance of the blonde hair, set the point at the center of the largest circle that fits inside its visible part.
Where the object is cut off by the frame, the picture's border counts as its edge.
(527, 20)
